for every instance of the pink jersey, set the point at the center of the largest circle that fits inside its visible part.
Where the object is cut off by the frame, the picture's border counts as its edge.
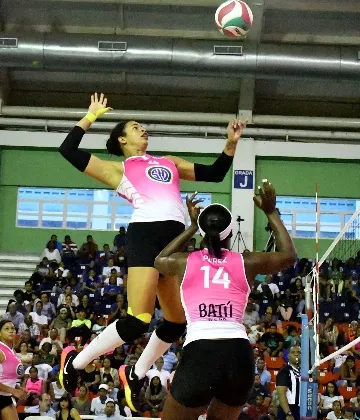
(11, 368)
(152, 185)
(35, 387)
(214, 294)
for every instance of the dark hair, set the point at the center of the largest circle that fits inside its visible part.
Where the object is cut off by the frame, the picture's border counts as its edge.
(4, 322)
(336, 390)
(213, 220)
(155, 388)
(67, 398)
(112, 144)
(19, 292)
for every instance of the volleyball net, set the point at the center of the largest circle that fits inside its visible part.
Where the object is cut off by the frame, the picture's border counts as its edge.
(345, 246)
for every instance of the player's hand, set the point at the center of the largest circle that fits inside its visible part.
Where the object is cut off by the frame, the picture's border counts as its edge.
(265, 198)
(235, 130)
(193, 208)
(20, 393)
(97, 107)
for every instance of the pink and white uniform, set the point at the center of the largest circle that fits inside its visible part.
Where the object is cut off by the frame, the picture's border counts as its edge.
(152, 185)
(10, 369)
(214, 294)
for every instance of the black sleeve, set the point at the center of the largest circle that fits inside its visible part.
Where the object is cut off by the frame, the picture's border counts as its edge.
(215, 172)
(69, 149)
(282, 378)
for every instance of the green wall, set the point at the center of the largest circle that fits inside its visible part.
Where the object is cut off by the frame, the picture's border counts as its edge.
(46, 168)
(336, 179)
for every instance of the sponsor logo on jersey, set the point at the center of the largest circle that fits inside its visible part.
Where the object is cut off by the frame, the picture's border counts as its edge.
(159, 174)
(20, 370)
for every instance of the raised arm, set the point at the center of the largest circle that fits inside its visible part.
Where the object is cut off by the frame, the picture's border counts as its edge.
(171, 260)
(217, 171)
(107, 172)
(270, 262)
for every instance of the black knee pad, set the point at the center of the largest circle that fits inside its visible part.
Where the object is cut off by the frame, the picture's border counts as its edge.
(131, 328)
(170, 331)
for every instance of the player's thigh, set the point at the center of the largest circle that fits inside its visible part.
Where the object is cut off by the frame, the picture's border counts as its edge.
(175, 411)
(141, 289)
(9, 413)
(220, 411)
(168, 292)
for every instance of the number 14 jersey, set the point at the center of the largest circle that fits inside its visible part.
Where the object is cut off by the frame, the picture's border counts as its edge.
(214, 294)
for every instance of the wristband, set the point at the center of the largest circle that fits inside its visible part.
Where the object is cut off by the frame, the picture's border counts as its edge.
(90, 117)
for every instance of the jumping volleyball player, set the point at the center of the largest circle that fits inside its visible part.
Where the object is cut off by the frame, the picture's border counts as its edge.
(217, 365)
(10, 369)
(151, 185)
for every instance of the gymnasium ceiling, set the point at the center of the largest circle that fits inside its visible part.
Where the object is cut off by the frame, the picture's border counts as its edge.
(302, 57)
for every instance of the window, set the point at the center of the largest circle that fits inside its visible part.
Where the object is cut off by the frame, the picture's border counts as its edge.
(299, 215)
(76, 209)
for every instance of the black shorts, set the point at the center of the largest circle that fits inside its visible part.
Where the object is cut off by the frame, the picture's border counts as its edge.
(145, 240)
(5, 401)
(224, 369)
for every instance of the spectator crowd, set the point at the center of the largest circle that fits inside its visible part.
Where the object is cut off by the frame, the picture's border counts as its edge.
(75, 292)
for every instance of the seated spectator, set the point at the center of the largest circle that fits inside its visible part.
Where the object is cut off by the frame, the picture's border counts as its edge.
(58, 244)
(68, 292)
(170, 361)
(34, 386)
(33, 345)
(62, 323)
(81, 401)
(90, 377)
(42, 271)
(29, 291)
(258, 409)
(45, 356)
(80, 327)
(251, 316)
(257, 390)
(121, 260)
(92, 282)
(25, 356)
(118, 357)
(104, 255)
(37, 317)
(13, 315)
(298, 295)
(268, 318)
(112, 391)
(348, 372)
(110, 291)
(86, 307)
(115, 275)
(272, 341)
(120, 238)
(66, 410)
(69, 247)
(336, 413)
(51, 253)
(56, 391)
(19, 299)
(155, 394)
(43, 369)
(98, 403)
(56, 345)
(117, 308)
(110, 412)
(110, 266)
(44, 408)
(272, 412)
(48, 308)
(28, 325)
(328, 397)
(272, 286)
(134, 351)
(287, 305)
(328, 335)
(107, 373)
(254, 333)
(159, 371)
(88, 249)
(265, 377)
(355, 401)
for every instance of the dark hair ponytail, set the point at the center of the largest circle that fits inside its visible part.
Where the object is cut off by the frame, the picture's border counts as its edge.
(112, 144)
(212, 239)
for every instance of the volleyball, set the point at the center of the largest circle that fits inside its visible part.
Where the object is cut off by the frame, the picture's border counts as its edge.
(234, 18)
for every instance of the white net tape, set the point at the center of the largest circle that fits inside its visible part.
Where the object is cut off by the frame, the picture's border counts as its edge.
(345, 246)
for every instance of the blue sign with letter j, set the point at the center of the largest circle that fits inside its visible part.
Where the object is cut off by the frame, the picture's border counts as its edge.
(244, 180)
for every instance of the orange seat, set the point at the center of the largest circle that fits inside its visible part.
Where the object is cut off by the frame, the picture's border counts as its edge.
(272, 387)
(274, 362)
(295, 324)
(20, 408)
(273, 374)
(357, 364)
(325, 377)
(348, 391)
